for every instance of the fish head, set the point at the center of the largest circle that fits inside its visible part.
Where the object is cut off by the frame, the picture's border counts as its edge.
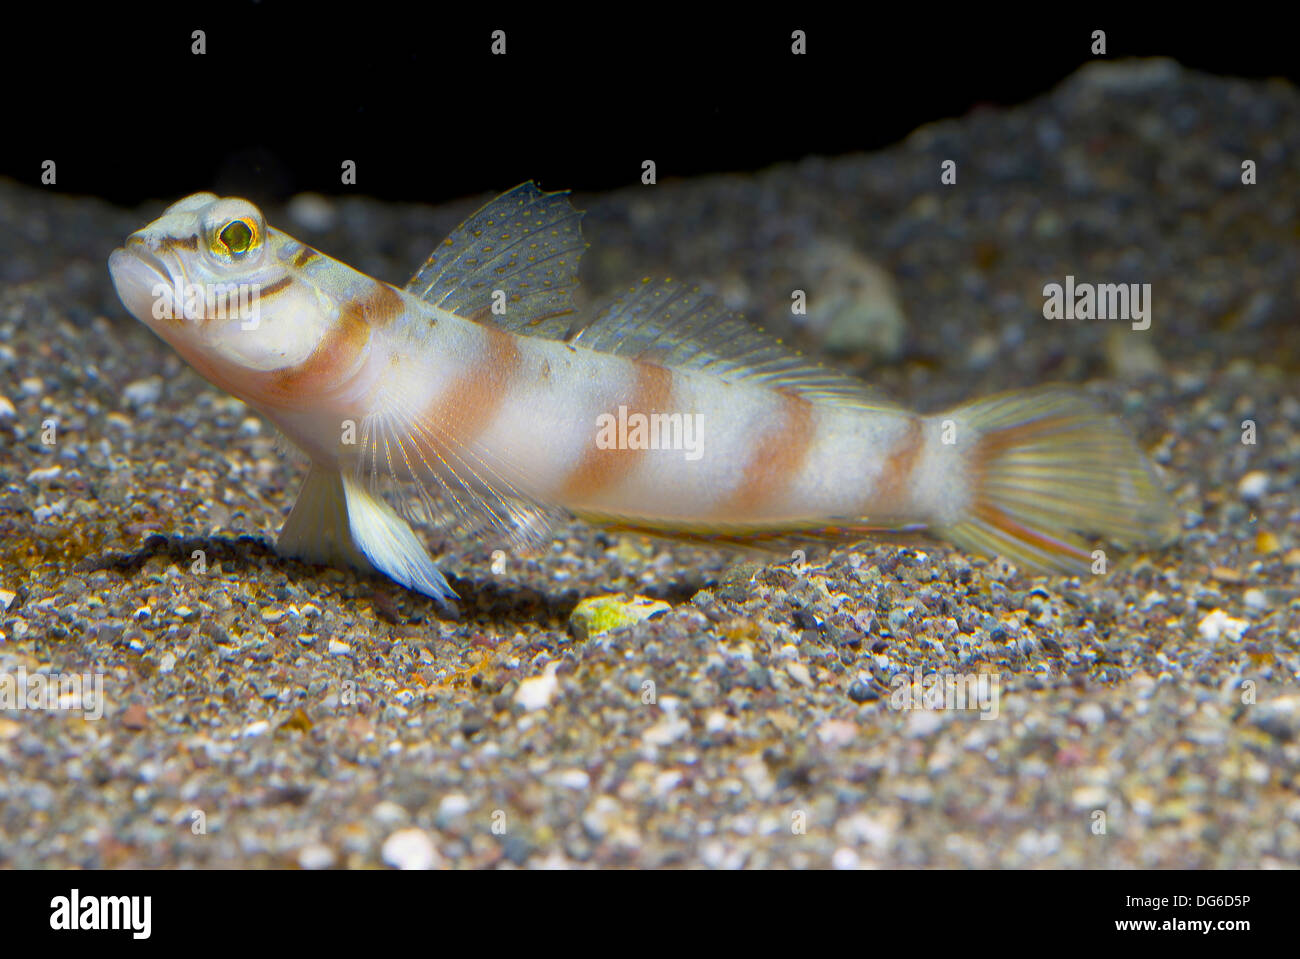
(216, 282)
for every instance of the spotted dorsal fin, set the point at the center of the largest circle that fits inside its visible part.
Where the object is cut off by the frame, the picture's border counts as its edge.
(674, 325)
(525, 243)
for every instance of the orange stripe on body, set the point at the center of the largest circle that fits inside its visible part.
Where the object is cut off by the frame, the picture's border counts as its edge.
(467, 407)
(302, 386)
(324, 372)
(598, 469)
(778, 456)
(893, 490)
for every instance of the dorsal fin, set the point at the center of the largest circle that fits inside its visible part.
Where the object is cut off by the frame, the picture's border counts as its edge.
(526, 243)
(670, 324)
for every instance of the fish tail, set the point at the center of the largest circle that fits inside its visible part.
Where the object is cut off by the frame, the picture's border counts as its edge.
(336, 521)
(1049, 470)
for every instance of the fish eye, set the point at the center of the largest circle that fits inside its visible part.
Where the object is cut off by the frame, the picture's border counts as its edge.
(236, 238)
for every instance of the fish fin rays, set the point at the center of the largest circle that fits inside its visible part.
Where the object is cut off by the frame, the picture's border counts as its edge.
(390, 544)
(335, 522)
(459, 488)
(317, 530)
(784, 537)
(525, 243)
(1050, 468)
(528, 244)
(674, 325)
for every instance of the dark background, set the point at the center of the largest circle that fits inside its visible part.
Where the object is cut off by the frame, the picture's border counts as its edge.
(287, 92)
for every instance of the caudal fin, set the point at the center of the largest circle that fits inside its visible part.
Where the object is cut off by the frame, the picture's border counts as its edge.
(1052, 473)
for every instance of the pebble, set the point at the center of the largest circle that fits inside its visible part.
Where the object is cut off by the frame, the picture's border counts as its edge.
(44, 475)
(143, 392)
(799, 673)
(600, 614)
(6, 598)
(1091, 715)
(7, 411)
(1266, 542)
(453, 805)
(389, 813)
(853, 302)
(536, 692)
(667, 730)
(410, 849)
(1089, 797)
(1255, 599)
(338, 648)
(572, 779)
(135, 716)
(862, 692)
(1253, 486)
(315, 856)
(845, 858)
(1217, 624)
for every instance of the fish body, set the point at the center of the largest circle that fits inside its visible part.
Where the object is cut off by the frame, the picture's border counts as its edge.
(477, 397)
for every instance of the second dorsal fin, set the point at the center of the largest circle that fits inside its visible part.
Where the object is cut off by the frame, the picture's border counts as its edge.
(671, 324)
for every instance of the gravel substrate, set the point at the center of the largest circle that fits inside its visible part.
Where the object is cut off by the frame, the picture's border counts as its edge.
(265, 713)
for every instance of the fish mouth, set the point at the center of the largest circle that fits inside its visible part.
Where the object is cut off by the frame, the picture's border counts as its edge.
(137, 274)
(136, 250)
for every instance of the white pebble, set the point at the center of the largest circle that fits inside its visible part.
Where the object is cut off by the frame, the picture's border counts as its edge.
(256, 729)
(410, 849)
(389, 813)
(315, 856)
(1090, 714)
(143, 392)
(1255, 599)
(667, 730)
(43, 514)
(845, 858)
(1218, 624)
(572, 779)
(339, 648)
(666, 782)
(538, 691)
(1252, 486)
(799, 673)
(1089, 797)
(44, 475)
(167, 663)
(6, 598)
(923, 722)
(453, 804)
